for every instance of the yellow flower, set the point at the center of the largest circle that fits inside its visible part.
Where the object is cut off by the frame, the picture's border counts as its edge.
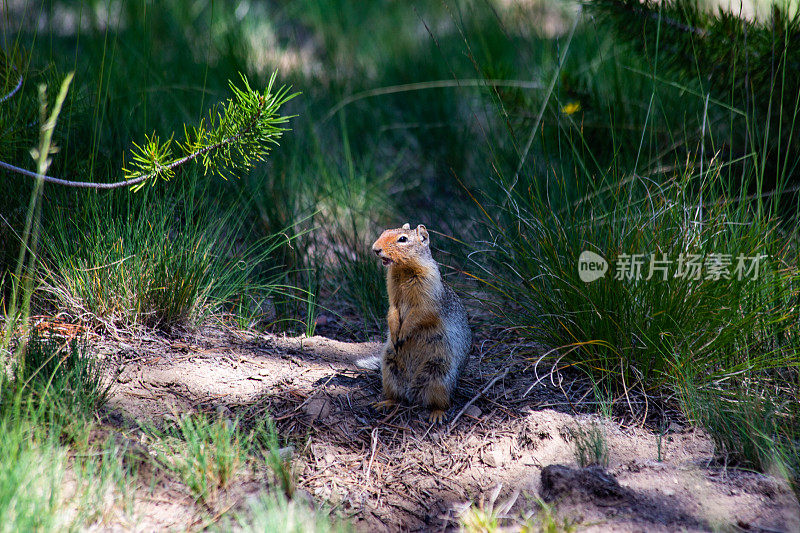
(570, 108)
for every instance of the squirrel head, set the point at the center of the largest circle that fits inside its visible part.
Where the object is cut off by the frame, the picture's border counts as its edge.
(402, 245)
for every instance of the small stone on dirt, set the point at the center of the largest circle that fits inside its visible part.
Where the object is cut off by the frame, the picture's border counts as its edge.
(125, 375)
(286, 453)
(224, 411)
(496, 456)
(474, 411)
(318, 408)
(528, 459)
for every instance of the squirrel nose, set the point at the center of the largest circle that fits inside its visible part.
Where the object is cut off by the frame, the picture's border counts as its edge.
(377, 251)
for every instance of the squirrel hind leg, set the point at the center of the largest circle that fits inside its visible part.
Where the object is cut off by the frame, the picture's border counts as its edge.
(432, 386)
(436, 397)
(384, 405)
(437, 416)
(391, 387)
(391, 375)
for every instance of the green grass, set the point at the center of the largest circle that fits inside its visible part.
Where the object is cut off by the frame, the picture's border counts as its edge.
(639, 331)
(50, 390)
(490, 516)
(207, 454)
(159, 263)
(59, 381)
(547, 520)
(276, 513)
(30, 480)
(753, 421)
(590, 445)
(44, 486)
(50, 478)
(267, 443)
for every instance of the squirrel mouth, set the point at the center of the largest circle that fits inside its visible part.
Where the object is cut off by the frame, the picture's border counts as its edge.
(386, 261)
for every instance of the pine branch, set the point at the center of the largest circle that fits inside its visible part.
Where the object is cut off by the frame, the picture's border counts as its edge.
(115, 185)
(14, 90)
(238, 134)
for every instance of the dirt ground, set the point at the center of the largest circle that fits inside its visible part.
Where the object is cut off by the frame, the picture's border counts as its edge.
(394, 471)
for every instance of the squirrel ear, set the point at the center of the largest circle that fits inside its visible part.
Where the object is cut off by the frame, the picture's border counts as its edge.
(406, 226)
(423, 234)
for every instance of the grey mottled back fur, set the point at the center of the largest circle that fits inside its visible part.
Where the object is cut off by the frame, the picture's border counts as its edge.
(459, 336)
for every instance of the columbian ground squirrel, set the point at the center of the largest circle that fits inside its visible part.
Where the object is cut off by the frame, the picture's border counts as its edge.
(429, 338)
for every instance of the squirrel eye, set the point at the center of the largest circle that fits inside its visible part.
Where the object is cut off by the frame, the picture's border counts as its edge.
(402, 238)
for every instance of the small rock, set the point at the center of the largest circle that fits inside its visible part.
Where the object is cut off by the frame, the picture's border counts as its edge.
(286, 453)
(224, 412)
(474, 411)
(302, 495)
(318, 408)
(323, 493)
(496, 456)
(125, 375)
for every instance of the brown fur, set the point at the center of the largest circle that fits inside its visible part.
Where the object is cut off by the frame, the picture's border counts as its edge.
(428, 333)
